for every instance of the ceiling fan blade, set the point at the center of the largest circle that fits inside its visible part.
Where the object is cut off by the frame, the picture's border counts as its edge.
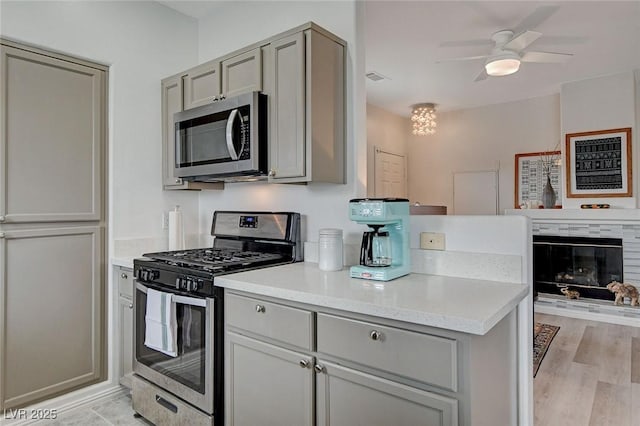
(465, 58)
(466, 43)
(536, 18)
(482, 76)
(522, 40)
(550, 57)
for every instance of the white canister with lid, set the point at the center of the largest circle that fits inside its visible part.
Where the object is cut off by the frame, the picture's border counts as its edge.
(330, 249)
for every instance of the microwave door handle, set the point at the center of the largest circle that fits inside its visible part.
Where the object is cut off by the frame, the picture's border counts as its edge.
(177, 298)
(232, 151)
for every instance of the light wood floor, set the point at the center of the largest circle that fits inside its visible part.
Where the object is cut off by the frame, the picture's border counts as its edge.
(589, 376)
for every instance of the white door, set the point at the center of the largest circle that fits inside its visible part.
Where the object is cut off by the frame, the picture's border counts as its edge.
(390, 175)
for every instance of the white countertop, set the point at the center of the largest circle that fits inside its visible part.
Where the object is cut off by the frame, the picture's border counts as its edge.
(124, 261)
(459, 304)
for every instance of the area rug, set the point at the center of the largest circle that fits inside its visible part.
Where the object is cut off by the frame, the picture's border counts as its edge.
(543, 334)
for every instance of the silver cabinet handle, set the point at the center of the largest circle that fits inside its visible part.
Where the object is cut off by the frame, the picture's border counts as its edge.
(1, 234)
(124, 276)
(318, 368)
(375, 335)
(304, 363)
(178, 180)
(272, 172)
(130, 305)
(2, 218)
(260, 309)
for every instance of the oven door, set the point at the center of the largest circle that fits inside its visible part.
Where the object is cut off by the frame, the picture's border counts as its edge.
(189, 375)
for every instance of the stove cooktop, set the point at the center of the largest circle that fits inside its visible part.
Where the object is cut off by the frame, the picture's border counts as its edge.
(215, 259)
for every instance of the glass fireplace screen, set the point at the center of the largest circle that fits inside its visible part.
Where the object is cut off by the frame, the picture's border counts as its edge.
(580, 263)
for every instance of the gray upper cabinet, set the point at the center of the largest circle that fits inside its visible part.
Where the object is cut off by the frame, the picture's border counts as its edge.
(306, 90)
(202, 84)
(173, 98)
(242, 73)
(55, 108)
(302, 71)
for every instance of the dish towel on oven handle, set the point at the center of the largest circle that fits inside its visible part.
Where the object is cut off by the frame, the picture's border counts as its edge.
(161, 327)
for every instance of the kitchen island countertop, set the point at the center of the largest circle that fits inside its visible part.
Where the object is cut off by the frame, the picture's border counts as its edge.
(458, 304)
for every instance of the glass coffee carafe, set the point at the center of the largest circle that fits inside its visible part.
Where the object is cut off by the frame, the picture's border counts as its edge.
(376, 248)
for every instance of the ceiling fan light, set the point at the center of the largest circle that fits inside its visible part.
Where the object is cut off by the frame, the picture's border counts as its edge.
(502, 66)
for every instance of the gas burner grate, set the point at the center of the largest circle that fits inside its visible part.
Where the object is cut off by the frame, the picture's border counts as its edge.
(214, 258)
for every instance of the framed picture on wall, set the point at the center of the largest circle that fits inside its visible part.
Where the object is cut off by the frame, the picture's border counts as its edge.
(599, 164)
(531, 170)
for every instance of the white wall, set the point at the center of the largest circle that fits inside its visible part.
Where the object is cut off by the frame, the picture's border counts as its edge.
(322, 205)
(480, 139)
(607, 102)
(385, 131)
(142, 42)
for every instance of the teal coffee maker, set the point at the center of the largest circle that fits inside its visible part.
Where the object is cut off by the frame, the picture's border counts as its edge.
(384, 253)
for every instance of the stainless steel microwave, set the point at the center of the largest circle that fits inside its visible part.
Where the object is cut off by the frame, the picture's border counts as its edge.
(225, 140)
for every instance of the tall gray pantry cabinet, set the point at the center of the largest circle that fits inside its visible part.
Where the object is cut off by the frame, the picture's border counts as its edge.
(52, 224)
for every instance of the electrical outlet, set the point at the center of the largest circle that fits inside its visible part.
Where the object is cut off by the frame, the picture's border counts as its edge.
(165, 220)
(431, 241)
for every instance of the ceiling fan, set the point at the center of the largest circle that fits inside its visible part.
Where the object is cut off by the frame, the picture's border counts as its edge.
(509, 47)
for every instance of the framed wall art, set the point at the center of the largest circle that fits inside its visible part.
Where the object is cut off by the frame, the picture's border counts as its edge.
(531, 171)
(598, 164)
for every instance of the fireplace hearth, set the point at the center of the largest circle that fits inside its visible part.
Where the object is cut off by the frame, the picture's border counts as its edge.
(581, 264)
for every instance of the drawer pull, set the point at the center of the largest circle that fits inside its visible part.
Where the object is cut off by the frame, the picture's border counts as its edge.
(304, 363)
(124, 276)
(375, 335)
(130, 305)
(319, 368)
(166, 404)
(260, 309)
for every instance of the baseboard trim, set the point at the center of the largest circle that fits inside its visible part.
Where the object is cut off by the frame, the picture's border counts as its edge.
(68, 402)
(589, 316)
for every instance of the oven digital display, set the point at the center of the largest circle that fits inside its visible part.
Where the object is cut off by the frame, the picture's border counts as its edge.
(248, 221)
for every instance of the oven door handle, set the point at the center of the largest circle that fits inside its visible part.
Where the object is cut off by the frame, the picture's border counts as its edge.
(179, 299)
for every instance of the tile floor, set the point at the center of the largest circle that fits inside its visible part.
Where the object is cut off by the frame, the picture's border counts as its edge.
(114, 411)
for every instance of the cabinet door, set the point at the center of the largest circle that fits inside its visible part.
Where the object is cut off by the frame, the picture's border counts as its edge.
(202, 84)
(349, 397)
(125, 315)
(51, 281)
(287, 108)
(172, 89)
(242, 73)
(267, 385)
(51, 143)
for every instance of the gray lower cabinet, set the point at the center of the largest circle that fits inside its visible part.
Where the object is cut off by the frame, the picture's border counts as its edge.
(124, 277)
(52, 223)
(347, 397)
(363, 370)
(267, 384)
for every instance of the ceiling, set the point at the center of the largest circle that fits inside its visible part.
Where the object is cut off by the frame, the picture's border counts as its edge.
(404, 41)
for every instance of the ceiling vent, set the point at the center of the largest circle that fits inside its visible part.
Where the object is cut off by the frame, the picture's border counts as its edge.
(376, 76)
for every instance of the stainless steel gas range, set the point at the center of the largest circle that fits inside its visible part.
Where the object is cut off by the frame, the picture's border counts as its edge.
(178, 359)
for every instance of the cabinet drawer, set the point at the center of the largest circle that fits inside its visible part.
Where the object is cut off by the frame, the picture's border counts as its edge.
(422, 357)
(125, 282)
(271, 320)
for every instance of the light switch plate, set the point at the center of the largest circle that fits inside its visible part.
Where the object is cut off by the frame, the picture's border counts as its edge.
(432, 241)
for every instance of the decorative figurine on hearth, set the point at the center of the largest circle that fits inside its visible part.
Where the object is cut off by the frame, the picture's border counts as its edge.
(622, 290)
(571, 294)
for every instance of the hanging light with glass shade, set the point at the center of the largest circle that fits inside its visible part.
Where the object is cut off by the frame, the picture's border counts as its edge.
(423, 117)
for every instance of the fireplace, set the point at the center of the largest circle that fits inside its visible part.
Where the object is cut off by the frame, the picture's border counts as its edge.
(583, 264)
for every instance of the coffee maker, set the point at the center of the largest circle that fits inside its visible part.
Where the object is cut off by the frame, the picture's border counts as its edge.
(384, 253)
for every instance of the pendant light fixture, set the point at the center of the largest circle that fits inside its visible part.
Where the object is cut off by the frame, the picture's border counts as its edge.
(423, 117)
